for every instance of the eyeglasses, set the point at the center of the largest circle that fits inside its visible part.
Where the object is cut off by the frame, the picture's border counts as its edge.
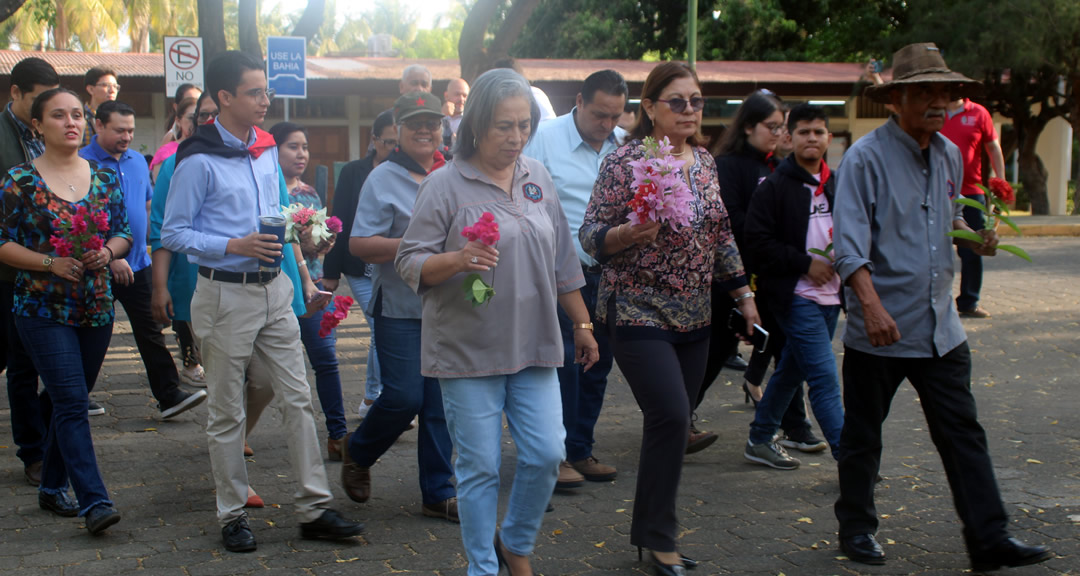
(388, 142)
(204, 117)
(256, 93)
(776, 129)
(678, 105)
(416, 125)
(107, 86)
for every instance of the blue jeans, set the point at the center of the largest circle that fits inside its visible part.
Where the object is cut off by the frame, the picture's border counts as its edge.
(68, 360)
(971, 264)
(322, 353)
(807, 356)
(406, 394)
(361, 289)
(474, 409)
(27, 419)
(582, 392)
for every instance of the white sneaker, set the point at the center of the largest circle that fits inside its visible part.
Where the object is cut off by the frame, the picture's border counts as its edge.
(363, 409)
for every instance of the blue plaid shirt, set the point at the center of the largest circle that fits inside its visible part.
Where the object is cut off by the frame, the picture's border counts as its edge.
(33, 146)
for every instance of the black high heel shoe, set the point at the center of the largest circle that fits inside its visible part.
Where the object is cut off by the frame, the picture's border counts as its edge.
(749, 397)
(687, 563)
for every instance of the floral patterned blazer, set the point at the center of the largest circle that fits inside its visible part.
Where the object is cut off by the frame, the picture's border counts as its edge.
(662, 289)
(28, 212)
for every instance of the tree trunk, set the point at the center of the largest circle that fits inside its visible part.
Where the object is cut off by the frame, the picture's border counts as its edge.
(212, 28)
(474, 57)
(9, 7)
(1074, 116)
(249, 29)
(61, 32)
(1033, 175)
(312, 20)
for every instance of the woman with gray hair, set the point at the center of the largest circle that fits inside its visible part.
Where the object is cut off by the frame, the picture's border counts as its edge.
(500, 356)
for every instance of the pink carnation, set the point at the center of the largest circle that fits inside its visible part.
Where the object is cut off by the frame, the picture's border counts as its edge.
(333, 223)
(303, 216)
(61, 245)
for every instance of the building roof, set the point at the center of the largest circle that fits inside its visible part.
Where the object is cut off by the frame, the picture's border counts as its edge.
(150, 66)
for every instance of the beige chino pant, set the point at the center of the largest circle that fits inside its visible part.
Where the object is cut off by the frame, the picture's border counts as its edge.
(238, 324)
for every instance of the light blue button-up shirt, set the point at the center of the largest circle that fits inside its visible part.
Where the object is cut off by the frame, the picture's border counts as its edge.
(213, 199)
(892, 213)
(574, 166)
(134, 178)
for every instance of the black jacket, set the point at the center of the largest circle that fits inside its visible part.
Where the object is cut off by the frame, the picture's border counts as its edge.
(775, 230)
(739, 175)
(346, 196)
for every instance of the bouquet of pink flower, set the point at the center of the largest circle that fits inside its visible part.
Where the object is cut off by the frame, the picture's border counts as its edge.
(78, 233)
(323, 229)
(485, 231)
(331, 318)
(660, 194)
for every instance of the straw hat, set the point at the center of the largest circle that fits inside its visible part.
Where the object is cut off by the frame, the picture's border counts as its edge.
(922, 63)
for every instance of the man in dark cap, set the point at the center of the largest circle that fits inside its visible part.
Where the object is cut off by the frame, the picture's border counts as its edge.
(894, 207)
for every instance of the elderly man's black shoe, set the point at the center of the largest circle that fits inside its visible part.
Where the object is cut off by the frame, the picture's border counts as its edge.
(237, 536)
(863, 548)
(1009, 552)
(330, 526)
(59, 504)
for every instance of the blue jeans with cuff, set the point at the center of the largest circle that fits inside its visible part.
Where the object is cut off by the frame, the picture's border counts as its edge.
(68, 359)
(474, 413)
(807, 356)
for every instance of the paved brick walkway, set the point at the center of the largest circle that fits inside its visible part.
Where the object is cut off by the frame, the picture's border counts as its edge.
(736, 518)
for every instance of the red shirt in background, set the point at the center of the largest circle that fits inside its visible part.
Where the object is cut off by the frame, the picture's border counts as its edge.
(971, 129)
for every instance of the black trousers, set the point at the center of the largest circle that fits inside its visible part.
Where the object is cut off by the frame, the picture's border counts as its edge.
(723, 343)
(29, 417)
(664, 377)
(186, 339)
(944, 387)
(149, 339)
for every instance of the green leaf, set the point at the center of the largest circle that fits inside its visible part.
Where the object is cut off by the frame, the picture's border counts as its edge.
(966, 235)
(984, 189)
(1000, 205)
(1014, 250)
(973, 204)
(820, 252)
(1010, 223)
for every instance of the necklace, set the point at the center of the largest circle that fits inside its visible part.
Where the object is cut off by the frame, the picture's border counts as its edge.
(70, 187)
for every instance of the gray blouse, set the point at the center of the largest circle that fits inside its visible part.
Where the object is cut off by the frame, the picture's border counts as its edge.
(519, 327)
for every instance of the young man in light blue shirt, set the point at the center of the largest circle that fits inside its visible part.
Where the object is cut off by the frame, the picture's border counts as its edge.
(572, 148)
(226, 177)
(132, 276)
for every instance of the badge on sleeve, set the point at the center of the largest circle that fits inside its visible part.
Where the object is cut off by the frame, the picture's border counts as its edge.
(533, 192)
(951, 188)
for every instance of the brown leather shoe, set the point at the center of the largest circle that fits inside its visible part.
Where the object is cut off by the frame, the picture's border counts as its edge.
(699, 440)
(568, 477)
(447, 510)
(32, 473)
(333, 449)
(355, 479)
(594, 471)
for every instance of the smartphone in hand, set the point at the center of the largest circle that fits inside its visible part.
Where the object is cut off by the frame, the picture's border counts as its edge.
(737, 323)
(320, 299)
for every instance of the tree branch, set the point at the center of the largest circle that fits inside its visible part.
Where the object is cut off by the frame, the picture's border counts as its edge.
(9, 7)
(312, 20)
(511, 28)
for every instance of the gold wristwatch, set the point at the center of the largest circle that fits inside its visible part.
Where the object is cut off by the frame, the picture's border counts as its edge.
(586, 326)
(47, 261)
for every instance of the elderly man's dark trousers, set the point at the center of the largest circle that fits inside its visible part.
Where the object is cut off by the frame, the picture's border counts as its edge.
(944, 387)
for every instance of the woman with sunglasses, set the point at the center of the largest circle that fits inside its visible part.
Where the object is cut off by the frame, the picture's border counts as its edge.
(654, 297)
(746, 157)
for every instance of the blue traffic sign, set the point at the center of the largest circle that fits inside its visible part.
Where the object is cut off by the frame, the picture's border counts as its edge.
(286, 68)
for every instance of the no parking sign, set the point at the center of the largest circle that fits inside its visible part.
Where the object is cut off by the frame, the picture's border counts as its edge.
(183, 62)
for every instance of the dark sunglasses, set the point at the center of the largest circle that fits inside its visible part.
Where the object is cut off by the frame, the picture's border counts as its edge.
(678, 105)
(204, 116)
(416, 125)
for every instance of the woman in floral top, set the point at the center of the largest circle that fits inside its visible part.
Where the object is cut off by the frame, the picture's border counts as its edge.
(322, 352)
(62, 221)
(654, 296)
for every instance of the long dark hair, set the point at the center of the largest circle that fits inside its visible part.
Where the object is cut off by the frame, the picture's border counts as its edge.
(282, 130)
(665, 73)
(757, 107)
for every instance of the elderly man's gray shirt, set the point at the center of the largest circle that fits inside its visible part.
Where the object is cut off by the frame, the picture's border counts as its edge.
(892, 213)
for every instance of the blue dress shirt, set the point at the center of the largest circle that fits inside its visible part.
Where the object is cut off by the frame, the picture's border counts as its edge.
(213, 199)
(574, 166)
(134, 178)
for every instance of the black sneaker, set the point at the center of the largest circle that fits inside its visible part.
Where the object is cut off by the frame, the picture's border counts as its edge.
(94, 409)
(237, 536)
(770, 454)
(185, 401)
(736, 362)
(803, 441)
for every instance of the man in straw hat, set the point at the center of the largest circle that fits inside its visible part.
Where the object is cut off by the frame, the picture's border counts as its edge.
(893, 209)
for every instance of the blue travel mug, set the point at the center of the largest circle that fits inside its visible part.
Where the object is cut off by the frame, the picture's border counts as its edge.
(272, 225)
